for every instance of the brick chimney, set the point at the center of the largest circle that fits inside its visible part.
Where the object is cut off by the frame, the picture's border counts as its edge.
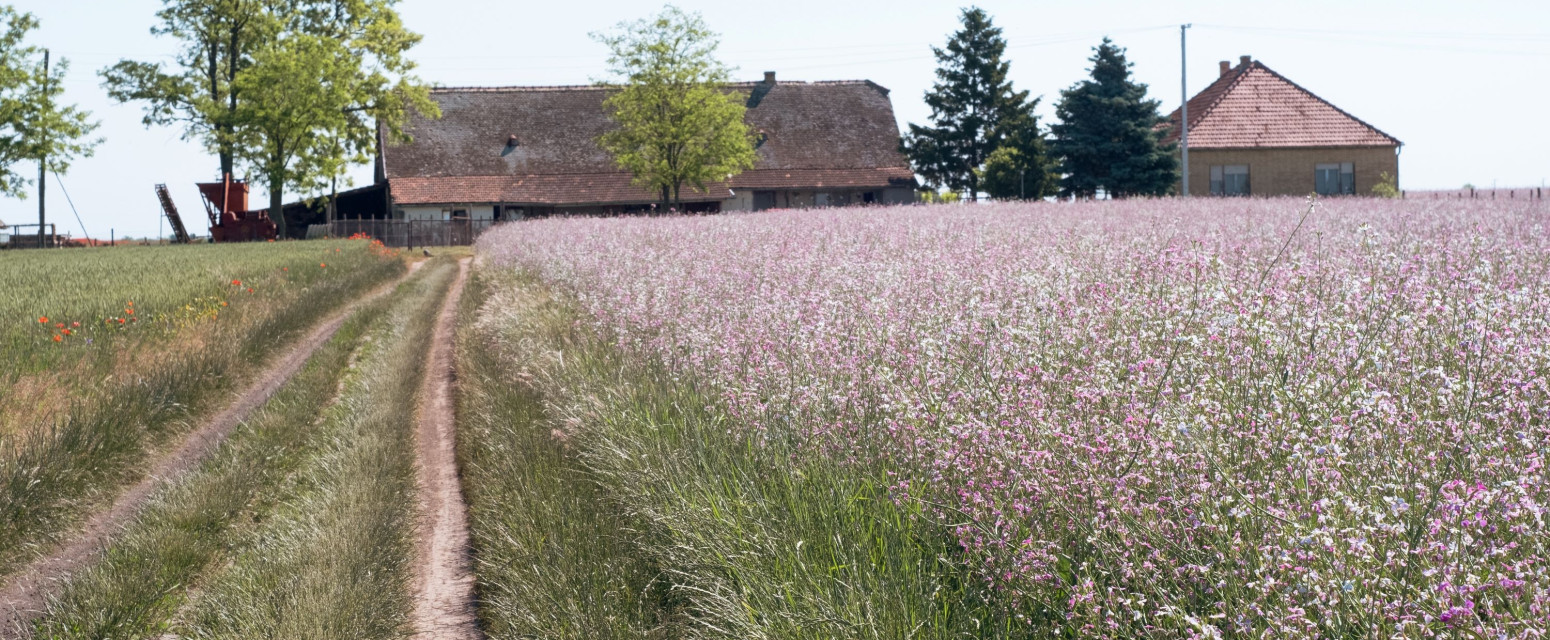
(1226, 68)
(1243, 61)
(769, 77)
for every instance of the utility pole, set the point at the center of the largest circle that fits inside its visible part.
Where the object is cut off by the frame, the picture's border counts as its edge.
(1184, 110)
(43, 159)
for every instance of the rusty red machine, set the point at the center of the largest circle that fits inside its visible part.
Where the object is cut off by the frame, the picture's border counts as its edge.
(226, 202)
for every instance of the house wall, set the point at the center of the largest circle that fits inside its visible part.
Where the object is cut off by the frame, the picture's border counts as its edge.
(1289, 172)
(743, 199)
(483, 211)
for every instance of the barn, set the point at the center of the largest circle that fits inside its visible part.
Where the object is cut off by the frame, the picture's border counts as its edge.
(506, 153)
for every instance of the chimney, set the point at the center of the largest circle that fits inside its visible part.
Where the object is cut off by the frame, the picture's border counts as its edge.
(769, 77)
(1226, 68)
(1243, 61)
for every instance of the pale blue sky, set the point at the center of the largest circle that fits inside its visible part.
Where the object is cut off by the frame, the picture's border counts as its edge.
(1464, 85)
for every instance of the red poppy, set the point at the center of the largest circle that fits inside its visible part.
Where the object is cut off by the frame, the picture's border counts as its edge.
(75, 324)
(323, 265)
(42, 319)
(57, 338)
(236, 283)
(250, 289)
(121, 321)
(129, 311)
(59, 326)
(66, 332)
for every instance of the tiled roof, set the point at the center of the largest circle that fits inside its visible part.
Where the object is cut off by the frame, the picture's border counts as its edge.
(1253, 106)
(573, 189)
(820, 133)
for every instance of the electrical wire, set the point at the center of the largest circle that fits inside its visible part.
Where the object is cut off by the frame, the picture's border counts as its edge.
(61, 182)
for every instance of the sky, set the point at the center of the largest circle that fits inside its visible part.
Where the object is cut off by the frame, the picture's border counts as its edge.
(1463, 85)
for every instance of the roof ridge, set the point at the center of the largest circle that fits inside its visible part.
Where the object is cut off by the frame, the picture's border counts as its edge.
(600, 86)
(1327, 103)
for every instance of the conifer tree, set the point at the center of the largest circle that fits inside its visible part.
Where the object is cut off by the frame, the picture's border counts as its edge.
(974, 109)
(1107, 138)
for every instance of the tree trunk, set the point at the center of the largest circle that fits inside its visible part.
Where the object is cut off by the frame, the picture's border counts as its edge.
(678, 204)
(667, 201)
(277, 209)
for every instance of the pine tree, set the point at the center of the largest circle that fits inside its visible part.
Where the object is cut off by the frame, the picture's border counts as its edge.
(1108, 138)
(973, 109)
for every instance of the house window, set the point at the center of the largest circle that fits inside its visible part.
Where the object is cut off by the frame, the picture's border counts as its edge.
(1230, 180)
(821, 200)
(1334, 179)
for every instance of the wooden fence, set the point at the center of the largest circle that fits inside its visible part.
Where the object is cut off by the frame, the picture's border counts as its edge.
(406, 233)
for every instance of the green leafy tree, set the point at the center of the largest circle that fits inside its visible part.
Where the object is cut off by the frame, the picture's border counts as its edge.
(198, 90)
(293, 90)
(34, 125)
(1387, 187)
(1020, 168)
(974, 110)
(677, 122)
(1108, 136)
(315, 98)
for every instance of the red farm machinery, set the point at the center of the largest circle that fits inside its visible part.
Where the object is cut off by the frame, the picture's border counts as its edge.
(226, 204)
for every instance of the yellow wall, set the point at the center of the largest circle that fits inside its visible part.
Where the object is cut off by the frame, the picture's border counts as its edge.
(1289, 172)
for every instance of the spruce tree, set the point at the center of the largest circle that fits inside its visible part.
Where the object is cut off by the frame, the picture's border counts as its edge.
(973, 109)
(1108, 137)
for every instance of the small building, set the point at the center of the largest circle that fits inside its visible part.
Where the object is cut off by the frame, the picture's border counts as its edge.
(1254, 132)
(513, 152)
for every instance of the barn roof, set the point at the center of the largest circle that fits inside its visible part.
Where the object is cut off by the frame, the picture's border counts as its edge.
(1252, 106)
(816, 134)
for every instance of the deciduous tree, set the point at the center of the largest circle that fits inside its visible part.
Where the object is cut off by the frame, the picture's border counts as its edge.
(198, 90)
(317, 96)
(34, 124)
(1107, 138)
(678, 124)
(294, 90)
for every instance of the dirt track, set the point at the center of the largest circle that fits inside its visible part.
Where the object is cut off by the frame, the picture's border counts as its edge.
(444, 582)
(24, 595)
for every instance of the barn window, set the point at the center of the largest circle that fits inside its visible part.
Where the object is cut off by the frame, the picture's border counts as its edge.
(1333, 178)
(1230, 180)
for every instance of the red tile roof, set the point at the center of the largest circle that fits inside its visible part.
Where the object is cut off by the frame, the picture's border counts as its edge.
(816, 134)
(566, 189)
(1252, 106)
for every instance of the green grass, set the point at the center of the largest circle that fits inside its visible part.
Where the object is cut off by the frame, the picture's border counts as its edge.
(553, 560)
(189, 526)
(105, 405)
(697, 529)
(334, 559)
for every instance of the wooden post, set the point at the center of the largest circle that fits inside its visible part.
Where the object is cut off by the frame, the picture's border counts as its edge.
(43, 160)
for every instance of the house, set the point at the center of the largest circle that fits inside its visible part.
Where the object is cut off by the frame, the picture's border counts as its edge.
(513, 152)
(1254, 132)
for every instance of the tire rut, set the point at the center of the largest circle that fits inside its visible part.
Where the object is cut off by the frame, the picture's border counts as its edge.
(24, 595)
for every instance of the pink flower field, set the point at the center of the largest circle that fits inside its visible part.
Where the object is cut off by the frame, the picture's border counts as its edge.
(1234, 417)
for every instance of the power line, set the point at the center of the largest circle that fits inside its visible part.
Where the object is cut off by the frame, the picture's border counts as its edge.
(61, 182)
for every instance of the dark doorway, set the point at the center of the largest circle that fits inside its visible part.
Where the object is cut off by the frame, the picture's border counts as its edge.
(763, 200)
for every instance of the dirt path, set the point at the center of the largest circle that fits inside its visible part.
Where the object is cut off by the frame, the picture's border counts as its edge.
(23, 596)
(444, 582)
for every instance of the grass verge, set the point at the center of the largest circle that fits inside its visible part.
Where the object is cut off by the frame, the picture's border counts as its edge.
(189, 526)
(695, 529)
(51, 476)
(333, 561)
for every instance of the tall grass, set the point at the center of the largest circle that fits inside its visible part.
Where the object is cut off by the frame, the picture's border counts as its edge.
(334, 560)
(190, 526)
(147, 388)
(554, 558)
(698, 529)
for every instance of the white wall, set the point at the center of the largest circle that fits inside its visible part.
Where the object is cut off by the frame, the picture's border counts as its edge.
(484, 211)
